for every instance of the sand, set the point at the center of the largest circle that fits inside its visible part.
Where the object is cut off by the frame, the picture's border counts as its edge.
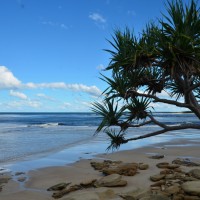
(37, 182)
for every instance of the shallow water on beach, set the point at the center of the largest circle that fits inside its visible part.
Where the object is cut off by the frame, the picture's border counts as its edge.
(60, 138)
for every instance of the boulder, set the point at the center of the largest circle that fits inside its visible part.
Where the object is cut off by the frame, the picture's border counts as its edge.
(113, 180)
(155, 197)
(186, 197)
(105, 193)
(4, 179)
(59, 186)
(157, 177)
(185, 162)
(143, 166)
(82, 196)
(126, 169)
(157, 156)
(174, 189)
(135, 194)
(195, 173)
(191, 187)
(21, 179)
(19, 173)
(167, 165)
(104, 164)
(162, 165)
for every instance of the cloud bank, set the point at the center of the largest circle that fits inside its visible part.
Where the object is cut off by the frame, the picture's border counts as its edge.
(18, 94)
(9, 81)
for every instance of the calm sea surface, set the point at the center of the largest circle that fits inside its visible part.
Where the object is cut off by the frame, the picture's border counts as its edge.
(25, 135)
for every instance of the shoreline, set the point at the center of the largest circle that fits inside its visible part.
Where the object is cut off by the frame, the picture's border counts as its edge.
(38, 180)
(84, 150)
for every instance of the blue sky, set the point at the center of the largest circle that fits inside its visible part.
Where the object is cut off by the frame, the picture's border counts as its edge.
(52, 50)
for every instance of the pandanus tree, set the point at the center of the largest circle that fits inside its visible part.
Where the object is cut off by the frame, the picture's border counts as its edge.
(165, 57)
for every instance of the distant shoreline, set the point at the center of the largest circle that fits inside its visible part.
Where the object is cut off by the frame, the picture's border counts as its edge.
(77, 112)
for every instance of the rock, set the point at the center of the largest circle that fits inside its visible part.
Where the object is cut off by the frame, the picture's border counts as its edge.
(157, 177)
(173, 166)
(195, 173)
(162, 165)
(157, 156)
(167, 165)
(189, 178)
(88, 183)
(135, 194)
(113, 180)
(158, 183)
(4, 179)
(191, 187)
(178, 197)
(186, 197)
(98, 166)
(83, 195)
(65, 191)
(143, 166)
(170, 176)
(105, 194)
(19, 173)
(104, 164)
(59, 186)
(155, 197)
(185, 162)
(126, 169)
(21, 179)
(172, 189)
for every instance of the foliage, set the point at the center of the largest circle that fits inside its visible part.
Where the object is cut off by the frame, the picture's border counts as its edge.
(164, 58)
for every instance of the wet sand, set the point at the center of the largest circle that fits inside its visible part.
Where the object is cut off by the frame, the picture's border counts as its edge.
(37, 181)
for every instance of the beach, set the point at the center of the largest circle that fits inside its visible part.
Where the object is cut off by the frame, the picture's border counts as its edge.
(41, 150)
(39, 180)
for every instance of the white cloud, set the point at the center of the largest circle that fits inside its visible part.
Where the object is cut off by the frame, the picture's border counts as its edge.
(22, 104)
(44, 96)
(92, 90)
(18, 94)
(97, 18)
(66, 104)
(7, 79)
(34, 104)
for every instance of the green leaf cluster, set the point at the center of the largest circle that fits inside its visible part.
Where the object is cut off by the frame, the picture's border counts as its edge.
(165, 57)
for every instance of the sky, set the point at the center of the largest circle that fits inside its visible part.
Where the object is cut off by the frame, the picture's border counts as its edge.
(52, 51)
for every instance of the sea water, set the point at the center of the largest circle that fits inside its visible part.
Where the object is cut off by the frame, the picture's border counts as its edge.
(24, 136)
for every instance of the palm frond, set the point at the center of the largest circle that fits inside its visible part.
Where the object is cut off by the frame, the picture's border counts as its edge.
(116, 139)
(138, 108)
(110, 113)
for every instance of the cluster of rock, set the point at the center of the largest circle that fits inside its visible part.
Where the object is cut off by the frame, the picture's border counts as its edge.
(113, 180)
(108, 167)
(176, 184)
(172, 183)
(113, 171)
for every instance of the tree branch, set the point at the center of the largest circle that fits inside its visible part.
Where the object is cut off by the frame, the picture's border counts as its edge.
(157, 122)
(193, 87)
(157, 99)
(169, 128)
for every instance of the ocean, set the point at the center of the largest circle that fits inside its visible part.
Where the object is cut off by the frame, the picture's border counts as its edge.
(70, 136)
